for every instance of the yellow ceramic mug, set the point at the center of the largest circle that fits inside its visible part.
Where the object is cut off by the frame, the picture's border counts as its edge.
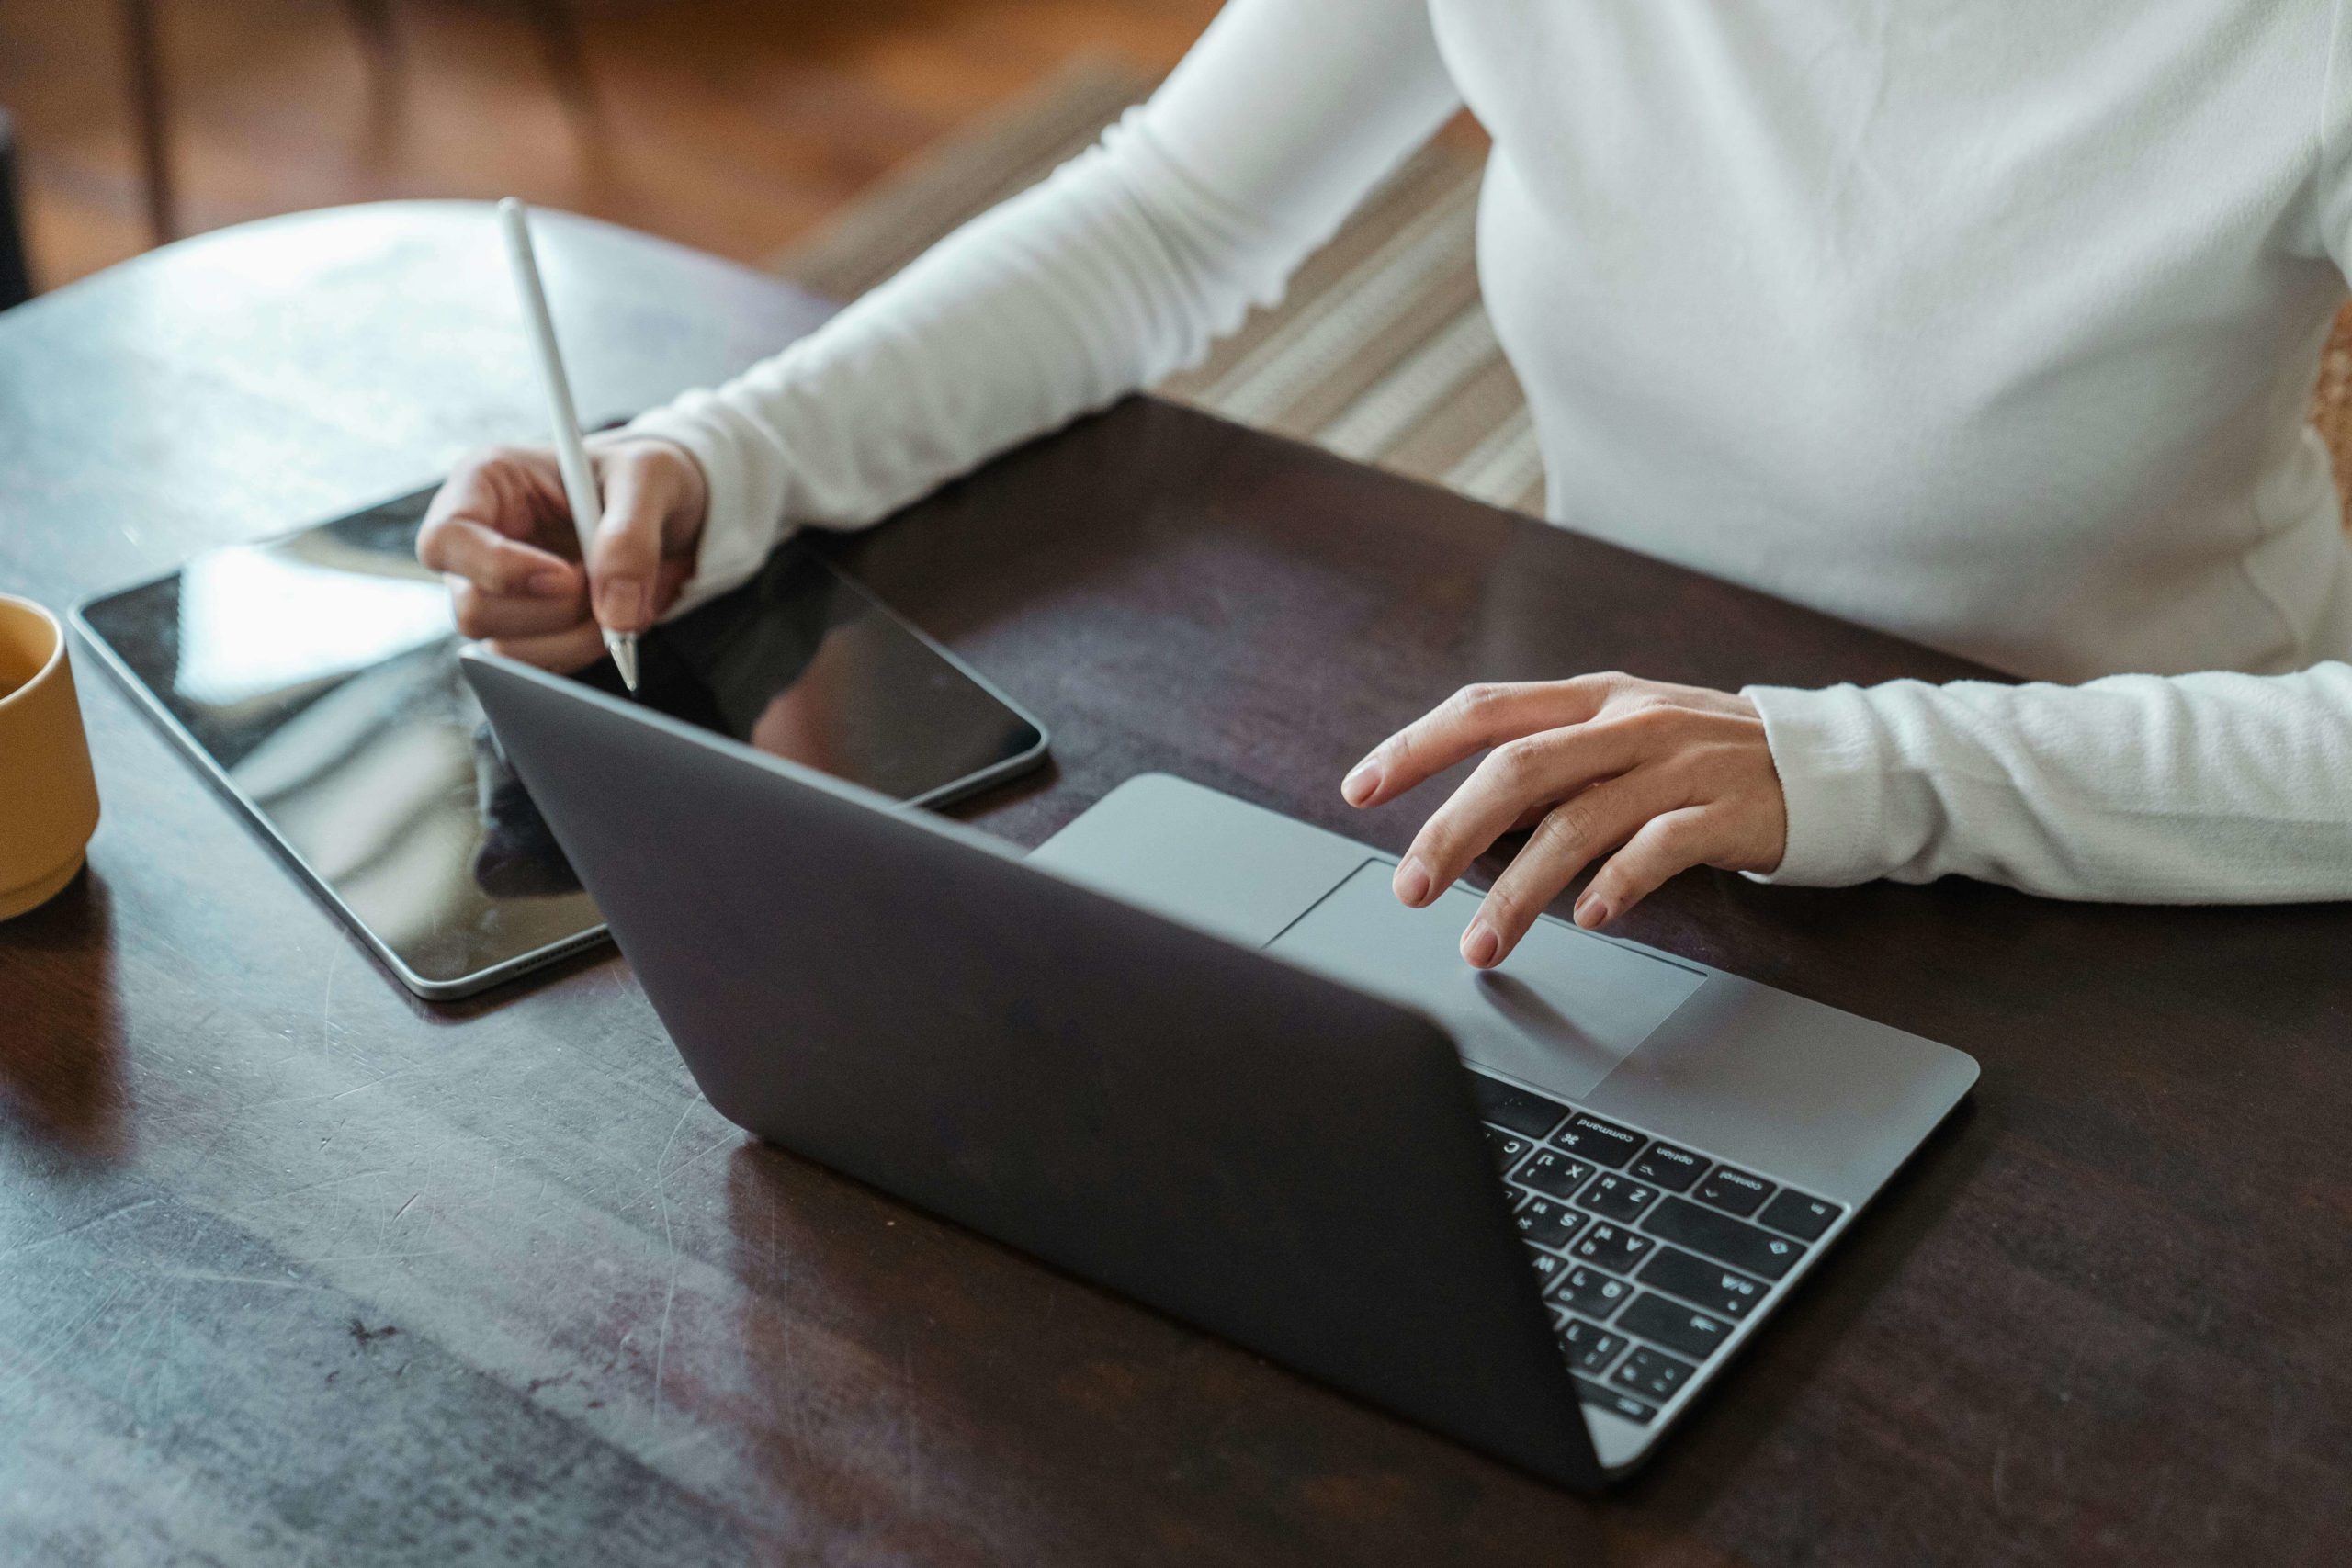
(48, 801)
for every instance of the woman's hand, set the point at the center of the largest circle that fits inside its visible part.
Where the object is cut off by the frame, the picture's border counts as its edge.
(1677, 775)
(501, 531)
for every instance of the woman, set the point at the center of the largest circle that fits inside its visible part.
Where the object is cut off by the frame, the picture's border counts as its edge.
(1988, 323)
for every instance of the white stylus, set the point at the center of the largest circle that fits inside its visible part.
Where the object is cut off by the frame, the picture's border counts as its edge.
(571, 456)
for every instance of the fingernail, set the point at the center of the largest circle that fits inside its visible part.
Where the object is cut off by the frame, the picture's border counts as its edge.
(1412, 883)
(1479, 944)
(550, 582)
(620, 605)
(1357, 787)
(1592, 913)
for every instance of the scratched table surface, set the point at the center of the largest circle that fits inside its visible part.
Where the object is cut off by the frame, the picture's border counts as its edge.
(297, 1268)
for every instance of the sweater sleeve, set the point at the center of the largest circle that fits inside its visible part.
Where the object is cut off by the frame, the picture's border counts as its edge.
(1120, 269)
(2331, 159)
(2207, 788)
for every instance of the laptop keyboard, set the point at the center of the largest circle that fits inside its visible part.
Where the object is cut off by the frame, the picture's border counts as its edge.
(1650, 1255)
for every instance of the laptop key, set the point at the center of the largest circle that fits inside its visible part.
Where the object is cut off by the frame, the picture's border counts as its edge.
(1548, 1223)
(1711, 1285)
(1507, 1148)
(1723, 1238)
(1589, 1290)
(1653, 1374)
(1603, 1143)
(1612, 1247)
(1515, 1110)
(1674, 1325)
(1733, 1192)
(1801, 1217)
(1589, 1347)
(1555, 1173)
(1617, 1197)
(1550, 1268)
(1614, 1400)
(1666, 1167)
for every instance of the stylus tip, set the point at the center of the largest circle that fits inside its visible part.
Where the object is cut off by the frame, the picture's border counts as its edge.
(623, 647)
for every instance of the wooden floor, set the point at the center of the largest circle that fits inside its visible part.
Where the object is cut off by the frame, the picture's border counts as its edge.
(731, 125)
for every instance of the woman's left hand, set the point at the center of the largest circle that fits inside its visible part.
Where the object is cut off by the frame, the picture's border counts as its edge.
(1668, 776)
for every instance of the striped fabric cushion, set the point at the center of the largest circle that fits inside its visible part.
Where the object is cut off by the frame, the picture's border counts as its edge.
(1380, 350)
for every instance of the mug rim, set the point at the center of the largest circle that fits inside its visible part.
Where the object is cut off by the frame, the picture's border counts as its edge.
(56, 651)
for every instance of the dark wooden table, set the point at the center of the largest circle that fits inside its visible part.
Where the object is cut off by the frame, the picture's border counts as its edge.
(295, 1269)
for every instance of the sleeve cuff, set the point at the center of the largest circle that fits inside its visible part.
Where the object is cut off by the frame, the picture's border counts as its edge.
(735, 541)
(1826, 747)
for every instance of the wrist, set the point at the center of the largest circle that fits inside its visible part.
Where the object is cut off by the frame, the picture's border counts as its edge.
(1826, 748)
(731, 535)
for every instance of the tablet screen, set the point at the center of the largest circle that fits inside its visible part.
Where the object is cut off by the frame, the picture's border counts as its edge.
(317, 674)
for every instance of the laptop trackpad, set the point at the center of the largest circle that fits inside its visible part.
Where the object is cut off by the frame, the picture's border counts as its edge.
(1561, 1010)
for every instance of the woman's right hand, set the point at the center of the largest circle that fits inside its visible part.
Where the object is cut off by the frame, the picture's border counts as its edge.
(501, 530)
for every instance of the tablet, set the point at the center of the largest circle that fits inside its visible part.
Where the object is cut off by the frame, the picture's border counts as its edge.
(315, 679)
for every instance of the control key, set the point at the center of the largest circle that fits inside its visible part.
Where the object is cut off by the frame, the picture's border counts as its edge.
(1520, 1111)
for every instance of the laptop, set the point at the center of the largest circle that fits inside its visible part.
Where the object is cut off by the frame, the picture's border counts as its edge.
(1195, 1051)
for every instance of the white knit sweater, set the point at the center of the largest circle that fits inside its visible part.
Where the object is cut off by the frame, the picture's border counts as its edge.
(1988, 322)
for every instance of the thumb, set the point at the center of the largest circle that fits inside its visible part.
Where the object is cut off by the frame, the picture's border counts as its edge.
(626, 555)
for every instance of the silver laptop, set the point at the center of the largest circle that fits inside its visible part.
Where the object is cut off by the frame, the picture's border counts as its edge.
(1195, 1051)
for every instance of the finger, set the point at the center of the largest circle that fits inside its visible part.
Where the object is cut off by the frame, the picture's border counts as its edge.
(668, 582)
(562, 651)
(1514, 776)
(1667, 843)
(1570, 835)
(464, 547)
(509, 622)
(1466, 723)
(1525, 821)
(513, 491)
(483, 615)
(660, 478)
(625, 559)
(573, 641)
